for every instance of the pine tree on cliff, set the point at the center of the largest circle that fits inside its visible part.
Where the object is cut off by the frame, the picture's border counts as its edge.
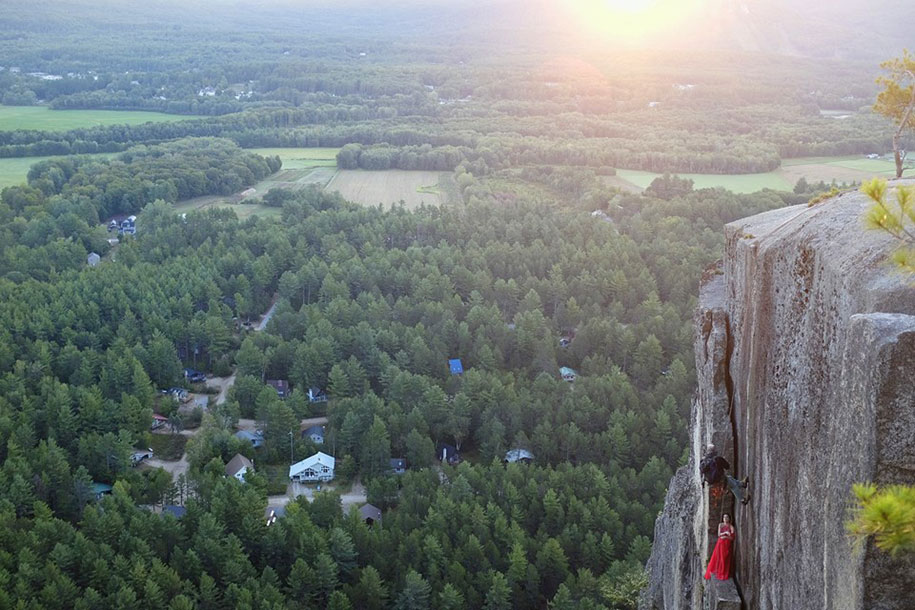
(898, 220)
(888, 515)
(897, 101)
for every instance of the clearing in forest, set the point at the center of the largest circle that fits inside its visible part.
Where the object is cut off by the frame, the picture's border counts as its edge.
(15, 170)
(852, 168)
(46, 119)
(242, 210)
(388, 187)
(301, 158)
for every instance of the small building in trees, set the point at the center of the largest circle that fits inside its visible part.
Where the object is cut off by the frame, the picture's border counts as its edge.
(179, 394)
(456, 367)
(318, 467)
(174, 510)
(315, 434)
(447, 454)
(281, 386)
(370, 514)
(138, 456)
(100, 489)
(94, 259)
(238, 466)
(398, 465)
(519, 455)
(316, 395)
(158, 421)
(568, 374)
(255, 438)
(194, 376)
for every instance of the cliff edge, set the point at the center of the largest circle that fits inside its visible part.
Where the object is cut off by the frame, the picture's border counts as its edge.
(805, 361)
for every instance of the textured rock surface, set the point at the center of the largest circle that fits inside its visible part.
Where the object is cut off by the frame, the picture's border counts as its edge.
(805, 359)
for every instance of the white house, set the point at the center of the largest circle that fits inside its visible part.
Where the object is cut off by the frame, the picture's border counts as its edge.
(94, 259)
(319, 467)
(238, 466)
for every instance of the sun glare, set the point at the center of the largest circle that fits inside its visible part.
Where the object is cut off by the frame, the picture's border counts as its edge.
(629, 20)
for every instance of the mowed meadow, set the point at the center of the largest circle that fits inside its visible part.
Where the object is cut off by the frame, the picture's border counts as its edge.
(848, 169)
(45, 119)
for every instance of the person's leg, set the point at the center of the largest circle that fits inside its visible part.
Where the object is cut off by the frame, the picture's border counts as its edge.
(738, 489)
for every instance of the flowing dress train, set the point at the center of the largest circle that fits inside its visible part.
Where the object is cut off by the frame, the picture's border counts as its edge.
(720, 563)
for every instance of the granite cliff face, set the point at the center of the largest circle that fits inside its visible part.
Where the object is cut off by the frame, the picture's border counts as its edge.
(805, 359)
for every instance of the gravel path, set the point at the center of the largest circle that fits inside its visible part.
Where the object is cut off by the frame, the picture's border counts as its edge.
(176, 468)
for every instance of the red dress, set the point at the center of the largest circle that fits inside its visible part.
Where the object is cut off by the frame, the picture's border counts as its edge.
(720, 563)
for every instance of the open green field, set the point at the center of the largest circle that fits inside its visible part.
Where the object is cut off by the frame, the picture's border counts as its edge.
(390, 186)
(13, 171)
(242, 210)
(302, 158)
(852, 168)
(43, 118)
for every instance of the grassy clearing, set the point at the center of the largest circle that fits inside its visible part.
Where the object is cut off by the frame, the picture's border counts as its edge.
(43, 118)
(242, 210)
(302, 158)
(738, 183)
(853, 168)
(13, 171)
(388, 187)
(295, 179)
(167, 446)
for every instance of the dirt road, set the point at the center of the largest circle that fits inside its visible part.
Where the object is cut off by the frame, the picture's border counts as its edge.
(176, 468)
(223, 384)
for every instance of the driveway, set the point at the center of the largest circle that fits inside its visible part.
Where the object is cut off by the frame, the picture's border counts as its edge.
(222, 384)
(176, 468)
(355, 496)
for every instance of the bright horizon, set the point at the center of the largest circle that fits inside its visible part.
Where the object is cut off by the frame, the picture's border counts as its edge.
(629, 20)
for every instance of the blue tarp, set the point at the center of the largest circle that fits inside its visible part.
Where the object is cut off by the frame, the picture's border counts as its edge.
(456, 367)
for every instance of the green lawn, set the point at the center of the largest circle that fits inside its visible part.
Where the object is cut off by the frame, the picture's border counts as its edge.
(242, 210)
(302, 158)
(13, 171)
(42, 117)
(849, 168)
(857, 162)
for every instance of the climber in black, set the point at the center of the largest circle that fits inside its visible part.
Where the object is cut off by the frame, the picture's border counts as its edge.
(714, 471)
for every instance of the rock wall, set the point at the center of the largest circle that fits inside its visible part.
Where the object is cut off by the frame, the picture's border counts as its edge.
(805, 360)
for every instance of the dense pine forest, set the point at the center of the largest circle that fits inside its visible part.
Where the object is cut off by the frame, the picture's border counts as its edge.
(537, 268)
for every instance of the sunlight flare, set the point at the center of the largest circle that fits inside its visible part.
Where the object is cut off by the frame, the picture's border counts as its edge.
(631, 20)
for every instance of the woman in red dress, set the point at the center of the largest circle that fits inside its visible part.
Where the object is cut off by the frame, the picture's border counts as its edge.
(720, 563)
